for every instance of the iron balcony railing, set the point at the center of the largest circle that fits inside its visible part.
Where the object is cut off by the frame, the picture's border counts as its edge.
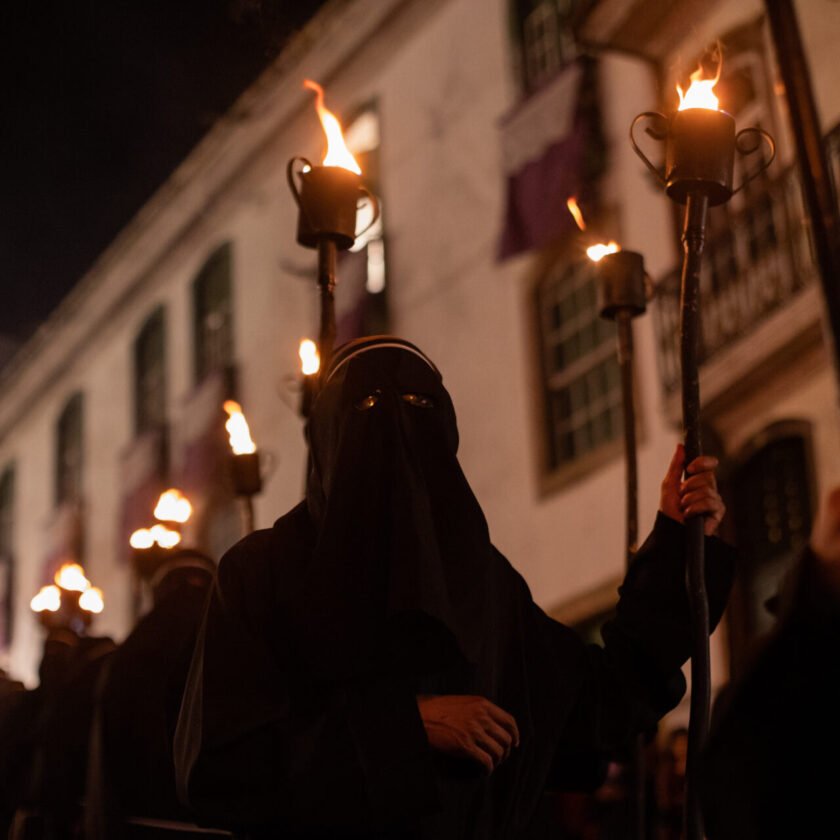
(755, 263)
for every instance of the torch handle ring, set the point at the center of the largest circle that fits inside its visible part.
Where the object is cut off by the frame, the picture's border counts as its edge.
(747, 148)
(290, 177)
(366, 193)
(652, 131)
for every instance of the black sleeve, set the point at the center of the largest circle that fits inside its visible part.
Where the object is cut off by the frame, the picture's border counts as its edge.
(636, 677)
(259, 744)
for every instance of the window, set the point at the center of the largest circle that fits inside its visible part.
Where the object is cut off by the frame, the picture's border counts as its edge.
(771, 502)
(542, 32)
(7, 493)
(581, 377)
(69, 452)
(213, 315)
(150, 374)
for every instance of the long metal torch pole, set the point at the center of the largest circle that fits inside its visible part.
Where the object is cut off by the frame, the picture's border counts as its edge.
(327, 254)
(624, 325)
(247, 508)
(694, 236)
(820, 199)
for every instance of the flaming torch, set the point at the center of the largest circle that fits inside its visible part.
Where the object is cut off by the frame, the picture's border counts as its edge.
(245, 462)
(70, 602)
(620, 277)
(310, 365)
(700, 146)
(327, 200)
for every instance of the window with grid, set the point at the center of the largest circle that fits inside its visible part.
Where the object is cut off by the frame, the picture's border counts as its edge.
(150, 374)
(213, 314)
(543, 29)
(7, 492)
(771, 511)
(581, 378)
(69, 452)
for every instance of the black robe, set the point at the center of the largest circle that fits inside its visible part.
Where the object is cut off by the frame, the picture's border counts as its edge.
(300, 715)
(770, 768)
(132, 773)
(51, 731)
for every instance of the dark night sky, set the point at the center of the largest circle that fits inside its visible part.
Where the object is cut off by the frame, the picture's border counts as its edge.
(101, 99)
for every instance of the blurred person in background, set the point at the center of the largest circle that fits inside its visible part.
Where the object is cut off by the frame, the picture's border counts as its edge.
(770, 764)
(131, 774)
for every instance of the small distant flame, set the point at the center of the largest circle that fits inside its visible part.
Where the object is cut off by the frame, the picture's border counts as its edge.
(173, 506)
(71, 577)
(48, 599)
(576, 212)
(92, 601)
(597, 252)
(700, 92)
(337, 152)
(310, 360)
(144, 538)
(238, 431)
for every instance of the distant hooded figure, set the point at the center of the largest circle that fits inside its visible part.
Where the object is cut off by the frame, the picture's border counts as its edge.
(49, 731)
(131, 772)
(372, 666)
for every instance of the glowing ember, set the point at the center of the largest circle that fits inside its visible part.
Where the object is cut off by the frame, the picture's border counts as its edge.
(92, 601)
(575, 210)
(310, 360)
(48, 599)
(238, 431)
(700, 92)
(337, 152)
(71, 576)
(173, 506)
(597, 252)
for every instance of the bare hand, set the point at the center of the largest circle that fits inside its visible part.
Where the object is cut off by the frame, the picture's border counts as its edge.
(825, 535)
(697, 495)
(464, 726)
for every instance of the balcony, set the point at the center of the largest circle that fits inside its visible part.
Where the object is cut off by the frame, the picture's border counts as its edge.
(758, 261)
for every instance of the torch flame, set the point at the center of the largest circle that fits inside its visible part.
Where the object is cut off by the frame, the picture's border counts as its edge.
(310, 360)
(238, 431)
(699, 93)
(92, 600)
(337, 152)
(71, 577)
(575, 210)
(48, 599)
(173, 506)
(597, 252)
(144, 538)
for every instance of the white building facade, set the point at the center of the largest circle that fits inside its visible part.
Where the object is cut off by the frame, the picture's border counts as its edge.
(206, 294)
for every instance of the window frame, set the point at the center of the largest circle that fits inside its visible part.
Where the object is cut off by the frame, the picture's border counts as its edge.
(203, 363)
(154, 327)
(553, 479)
(71, 421)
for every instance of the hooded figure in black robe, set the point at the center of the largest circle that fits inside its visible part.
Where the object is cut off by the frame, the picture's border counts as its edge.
(51, 733)
(300, 717)
(131, 772)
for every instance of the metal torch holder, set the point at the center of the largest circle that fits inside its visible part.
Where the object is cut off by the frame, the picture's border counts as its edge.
(700, 149)
(246, 476)
(622, 296)
(328, 200)
(69, 615)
